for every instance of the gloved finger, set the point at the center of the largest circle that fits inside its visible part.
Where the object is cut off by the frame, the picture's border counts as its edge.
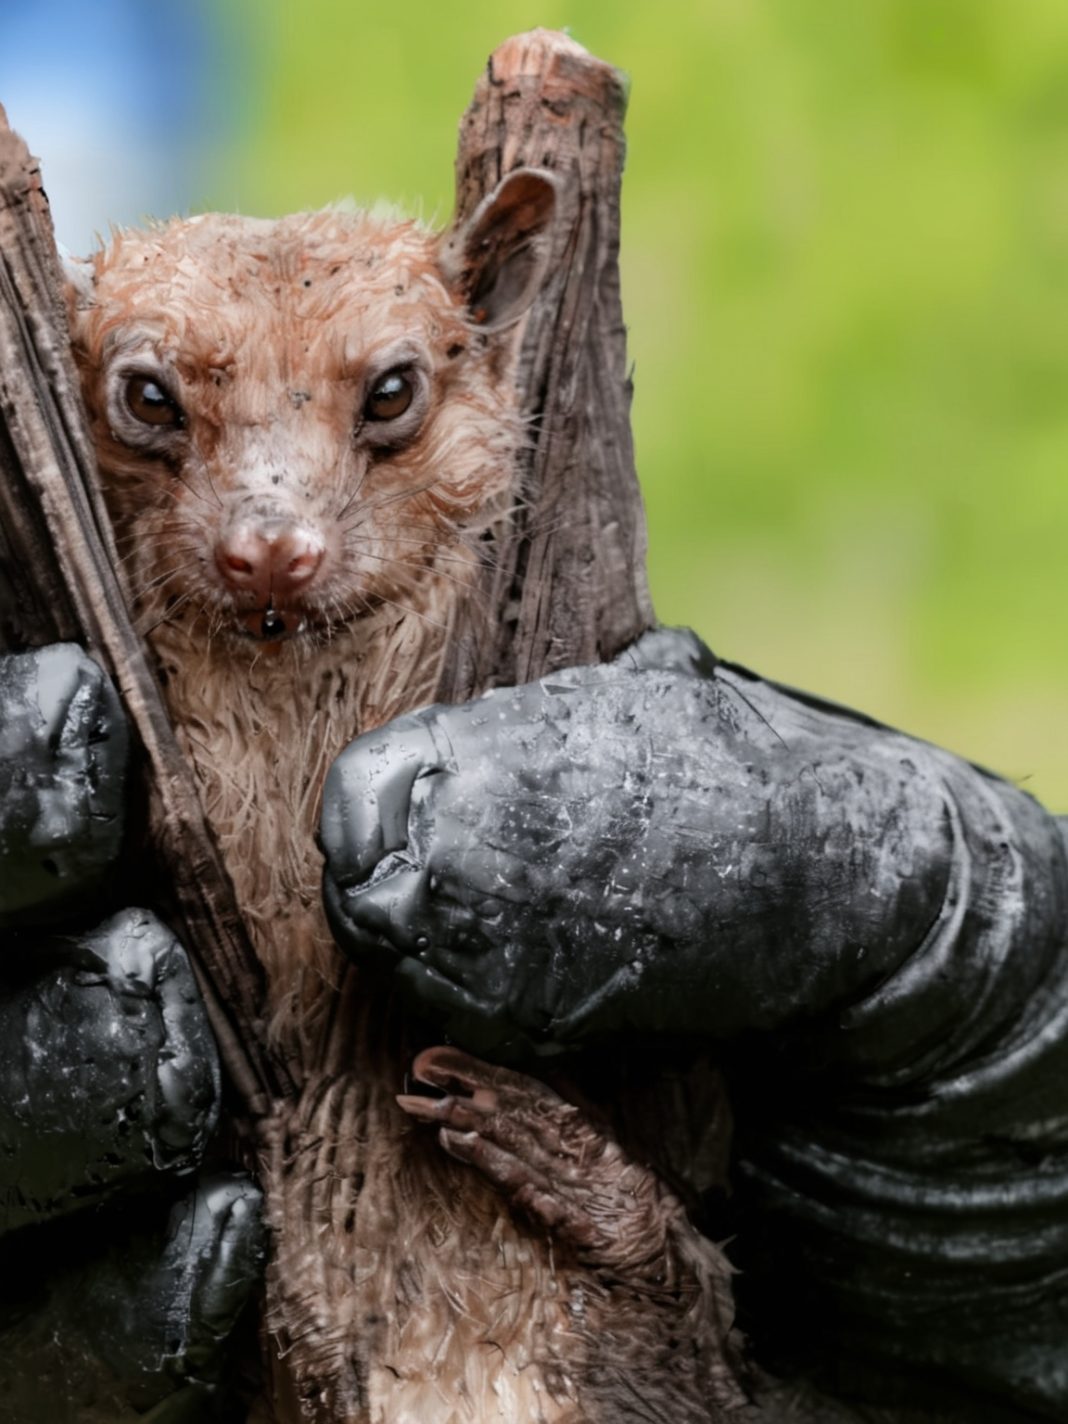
(481, 1026)
(135, 1316)
(108, 1070)
(63, 755)
(668, 650)
(367, 796)
(391, 908)
(167, 1315)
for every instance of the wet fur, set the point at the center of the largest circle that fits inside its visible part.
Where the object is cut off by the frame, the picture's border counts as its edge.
(265, 332)
(429, 1304)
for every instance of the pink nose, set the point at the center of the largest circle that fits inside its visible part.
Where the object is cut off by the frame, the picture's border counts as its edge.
(272, 560)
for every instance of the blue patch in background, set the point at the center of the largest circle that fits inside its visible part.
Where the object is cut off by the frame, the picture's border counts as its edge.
(121, 101)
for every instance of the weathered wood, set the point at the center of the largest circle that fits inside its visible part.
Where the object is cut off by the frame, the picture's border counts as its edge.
(567, 573)
(58, 580)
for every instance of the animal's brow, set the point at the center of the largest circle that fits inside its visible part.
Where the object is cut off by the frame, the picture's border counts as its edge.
(142, 337)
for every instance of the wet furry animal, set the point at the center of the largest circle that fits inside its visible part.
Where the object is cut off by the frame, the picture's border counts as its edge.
(300, 437)
(303, 426)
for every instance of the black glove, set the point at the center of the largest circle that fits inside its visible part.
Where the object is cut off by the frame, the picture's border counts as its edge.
(120, 1278)
(63, 753)
(631, 848)
(129, 1308)
(872, 930)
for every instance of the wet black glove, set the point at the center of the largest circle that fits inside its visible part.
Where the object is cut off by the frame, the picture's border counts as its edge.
(634, 847)
(119, 1280)
(63, 752)
(875, 932)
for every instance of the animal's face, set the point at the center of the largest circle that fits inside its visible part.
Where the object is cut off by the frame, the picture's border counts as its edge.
(295, 420)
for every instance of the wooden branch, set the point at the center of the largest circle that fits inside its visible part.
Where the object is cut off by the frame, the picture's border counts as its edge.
(57, 581)
(35, 603)
(567, 574)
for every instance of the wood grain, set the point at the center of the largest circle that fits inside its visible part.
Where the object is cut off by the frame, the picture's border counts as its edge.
(567, 575)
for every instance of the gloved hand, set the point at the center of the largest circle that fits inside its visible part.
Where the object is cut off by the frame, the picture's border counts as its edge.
(120, 1276)
(873, 932)
(635, 847)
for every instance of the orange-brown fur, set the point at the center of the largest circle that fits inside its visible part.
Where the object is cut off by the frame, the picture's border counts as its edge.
(264, 332)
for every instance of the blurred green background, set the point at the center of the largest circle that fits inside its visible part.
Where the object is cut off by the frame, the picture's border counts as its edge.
(845, 264)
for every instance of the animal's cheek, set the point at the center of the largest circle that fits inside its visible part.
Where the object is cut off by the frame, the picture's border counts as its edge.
(227, 472)
(207, 444)
(164, 556)
(94, 396)
(393, 565)
(369, 569)
(182, 480)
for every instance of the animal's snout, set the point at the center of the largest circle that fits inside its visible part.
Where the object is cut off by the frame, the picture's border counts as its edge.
(272, 559)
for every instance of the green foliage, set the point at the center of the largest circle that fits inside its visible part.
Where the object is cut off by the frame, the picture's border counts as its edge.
(845, 262)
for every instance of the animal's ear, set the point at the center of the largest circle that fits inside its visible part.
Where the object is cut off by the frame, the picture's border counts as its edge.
(79, 275)
(498, 257)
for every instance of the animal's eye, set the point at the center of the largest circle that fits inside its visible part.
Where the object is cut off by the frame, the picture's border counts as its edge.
(390, 396)
(150, 403)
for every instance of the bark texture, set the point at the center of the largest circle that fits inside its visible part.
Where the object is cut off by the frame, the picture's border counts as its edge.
(567, 577)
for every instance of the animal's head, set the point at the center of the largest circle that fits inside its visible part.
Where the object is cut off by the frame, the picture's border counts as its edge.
(295, 419)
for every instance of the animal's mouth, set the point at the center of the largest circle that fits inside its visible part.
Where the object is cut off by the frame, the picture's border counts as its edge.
(272, 625)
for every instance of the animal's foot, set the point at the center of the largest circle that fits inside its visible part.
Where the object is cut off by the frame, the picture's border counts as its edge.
(651, 1296)
(552, 1164)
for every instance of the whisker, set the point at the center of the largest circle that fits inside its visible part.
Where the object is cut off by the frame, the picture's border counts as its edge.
(353, 497)
(381, 597)
(128, 558)
(128, 536)
(161, 579)
(165, 616)
(195, 492)
(346, 611)
(384, 500)
(214, 625)
(429, 568)
(430, 533)
(419, 543)
(211, 486)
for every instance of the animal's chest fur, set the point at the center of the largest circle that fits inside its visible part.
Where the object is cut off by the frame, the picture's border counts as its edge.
(261, 734)
(427, 1302)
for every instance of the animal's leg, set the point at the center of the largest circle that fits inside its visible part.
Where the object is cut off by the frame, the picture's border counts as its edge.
(556, 1166)
(659, 1295)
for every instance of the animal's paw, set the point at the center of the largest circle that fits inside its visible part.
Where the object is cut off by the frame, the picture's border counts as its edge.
(650, 1291)
(552, 1163)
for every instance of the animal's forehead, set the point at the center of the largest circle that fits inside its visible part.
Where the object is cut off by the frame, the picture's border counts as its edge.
(213, 286)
